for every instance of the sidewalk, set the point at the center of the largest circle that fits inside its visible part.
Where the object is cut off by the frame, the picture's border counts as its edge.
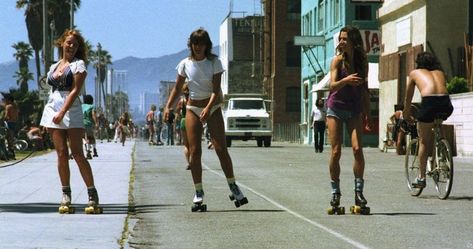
(30, 193)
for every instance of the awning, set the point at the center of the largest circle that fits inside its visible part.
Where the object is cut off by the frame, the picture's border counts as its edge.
(373, 82)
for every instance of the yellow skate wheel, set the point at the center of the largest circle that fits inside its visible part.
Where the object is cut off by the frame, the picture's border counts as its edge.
(341, 210)
(89, 210)
(63, 209)
(330, 211)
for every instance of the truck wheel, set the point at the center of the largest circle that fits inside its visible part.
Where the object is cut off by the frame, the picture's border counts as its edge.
(228, 141)
(267, 141)
(259, 142)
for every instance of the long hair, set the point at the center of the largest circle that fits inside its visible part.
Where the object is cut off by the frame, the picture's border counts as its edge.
(81, 50)
(201, 36)
(359, 55)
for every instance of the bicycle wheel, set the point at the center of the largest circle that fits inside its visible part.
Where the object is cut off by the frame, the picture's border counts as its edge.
(412, 166)
(443, 172)
(20, 145)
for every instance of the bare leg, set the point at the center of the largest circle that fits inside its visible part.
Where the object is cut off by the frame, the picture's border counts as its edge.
(59, 138)
(217, 131)
(335, 131)
(355, 129)
(425, 144)
(194, 137)
(74, 136)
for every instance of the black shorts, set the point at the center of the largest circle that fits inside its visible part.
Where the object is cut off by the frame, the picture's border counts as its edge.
(434, 106)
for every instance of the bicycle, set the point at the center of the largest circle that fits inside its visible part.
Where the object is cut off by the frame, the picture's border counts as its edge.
(439, 165)
(18, 145)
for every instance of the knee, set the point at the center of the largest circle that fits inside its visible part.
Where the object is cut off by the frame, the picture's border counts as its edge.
(336, 153)
(358, 152)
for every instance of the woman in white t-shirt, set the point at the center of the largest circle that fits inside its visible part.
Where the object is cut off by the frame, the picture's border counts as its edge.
(203, 71)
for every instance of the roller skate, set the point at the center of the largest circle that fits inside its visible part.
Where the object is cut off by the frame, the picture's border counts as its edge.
(237, 196)
(89, 155)
(335, 203)
(93, 205)
(66, 207)
(360, 204)
(95, 153)
(198, 202)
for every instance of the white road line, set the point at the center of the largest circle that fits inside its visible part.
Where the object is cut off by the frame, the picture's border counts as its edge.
(314, 223)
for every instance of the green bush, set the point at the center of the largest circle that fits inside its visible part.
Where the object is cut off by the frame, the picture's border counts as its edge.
(457, 85)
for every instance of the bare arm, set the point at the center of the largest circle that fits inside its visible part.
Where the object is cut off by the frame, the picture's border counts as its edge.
(409, 94)
(176, 91)
(77, 84)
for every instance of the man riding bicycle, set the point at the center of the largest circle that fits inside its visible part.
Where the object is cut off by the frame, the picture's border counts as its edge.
(10, 118)
(429, 79)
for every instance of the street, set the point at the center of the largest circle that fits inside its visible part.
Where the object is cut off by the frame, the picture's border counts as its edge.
(287, 186)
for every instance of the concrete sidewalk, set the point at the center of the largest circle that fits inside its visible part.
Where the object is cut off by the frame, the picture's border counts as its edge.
(30, 193)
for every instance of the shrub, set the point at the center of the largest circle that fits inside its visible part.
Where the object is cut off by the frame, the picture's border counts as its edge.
(457, 85)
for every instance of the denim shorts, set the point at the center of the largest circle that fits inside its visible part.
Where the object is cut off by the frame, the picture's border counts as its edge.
(343, 115)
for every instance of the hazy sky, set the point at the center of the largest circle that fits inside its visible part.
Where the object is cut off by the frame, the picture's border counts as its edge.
(140, 28)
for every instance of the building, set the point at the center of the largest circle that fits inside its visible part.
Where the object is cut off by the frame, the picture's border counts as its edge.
(321, 21)
(241, 52)
(410, 27)
(146, 100)
(165, 88)
(281, 65)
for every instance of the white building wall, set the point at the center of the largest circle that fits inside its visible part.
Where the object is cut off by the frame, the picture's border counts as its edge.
(462, 119)
(226, 50)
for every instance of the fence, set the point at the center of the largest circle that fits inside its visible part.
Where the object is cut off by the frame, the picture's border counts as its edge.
(289, 132)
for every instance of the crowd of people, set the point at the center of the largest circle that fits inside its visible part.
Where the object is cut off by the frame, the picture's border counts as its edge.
(194, 105)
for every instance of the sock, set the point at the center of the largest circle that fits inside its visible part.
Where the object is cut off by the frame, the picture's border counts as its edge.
(198, 187)
(335, 187)
(359, 184)
(231, 180)
(66, 188)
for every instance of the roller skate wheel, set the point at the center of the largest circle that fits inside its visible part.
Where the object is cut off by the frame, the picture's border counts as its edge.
(199, 207)
(232, 197)
(93, 210)
(330, 211)
(341, 210)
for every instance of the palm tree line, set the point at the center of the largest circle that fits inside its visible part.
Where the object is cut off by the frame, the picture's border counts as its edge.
(59, 15)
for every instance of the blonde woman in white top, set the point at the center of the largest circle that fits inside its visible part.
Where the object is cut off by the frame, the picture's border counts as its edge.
(203, 70)
(63, 117)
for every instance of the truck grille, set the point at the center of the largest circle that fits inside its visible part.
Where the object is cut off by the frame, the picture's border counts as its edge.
(247, 123)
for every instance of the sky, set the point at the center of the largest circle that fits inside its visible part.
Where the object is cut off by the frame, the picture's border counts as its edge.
(139, 28)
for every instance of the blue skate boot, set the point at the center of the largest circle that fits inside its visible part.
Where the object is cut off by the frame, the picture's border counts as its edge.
(236, 195)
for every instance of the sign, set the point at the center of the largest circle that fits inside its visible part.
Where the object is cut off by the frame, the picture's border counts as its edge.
(371, 41)
(43, 94)
(309, 40)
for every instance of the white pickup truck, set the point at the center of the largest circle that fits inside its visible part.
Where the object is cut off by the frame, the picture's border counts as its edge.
(246, 118)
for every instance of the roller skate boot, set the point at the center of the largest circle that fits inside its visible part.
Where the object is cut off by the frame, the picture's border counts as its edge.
(93, 205)
(335, 205)
(360, 204)
(89, 156)
(198, 202)
(95, 153)
(237, 196)
(66, 207)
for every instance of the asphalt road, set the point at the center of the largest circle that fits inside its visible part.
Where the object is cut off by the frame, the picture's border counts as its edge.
(288, 189)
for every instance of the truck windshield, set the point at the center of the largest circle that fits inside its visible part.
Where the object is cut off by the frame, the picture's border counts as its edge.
(247, 104)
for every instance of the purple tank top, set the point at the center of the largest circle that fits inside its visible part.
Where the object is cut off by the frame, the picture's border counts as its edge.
(347, 98)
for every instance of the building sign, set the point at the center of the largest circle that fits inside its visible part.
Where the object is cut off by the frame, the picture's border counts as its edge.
(403, 32)
(371, 41)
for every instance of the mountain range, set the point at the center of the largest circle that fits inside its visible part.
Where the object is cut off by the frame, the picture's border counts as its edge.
(143, 74)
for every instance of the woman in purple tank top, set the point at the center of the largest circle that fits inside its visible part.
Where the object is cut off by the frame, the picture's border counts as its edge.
(348, 102)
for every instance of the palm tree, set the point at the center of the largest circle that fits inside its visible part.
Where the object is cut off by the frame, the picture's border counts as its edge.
(34, 25)
(59, 10)
(23, 54)
(23, 75)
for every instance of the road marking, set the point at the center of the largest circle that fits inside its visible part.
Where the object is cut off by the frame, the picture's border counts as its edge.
(294, 213)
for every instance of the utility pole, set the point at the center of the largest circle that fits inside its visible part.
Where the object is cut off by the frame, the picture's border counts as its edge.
(72, 15)
(46, 45)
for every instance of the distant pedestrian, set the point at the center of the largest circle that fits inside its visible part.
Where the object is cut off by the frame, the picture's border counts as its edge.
(203, 71)
(63, 115)
(91, 124)
(10, 117)
(182, 109)
(151, 123)
(170, 126)
(318, 124)
(159, 126)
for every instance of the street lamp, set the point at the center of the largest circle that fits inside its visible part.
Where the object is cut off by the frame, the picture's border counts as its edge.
(97, 88)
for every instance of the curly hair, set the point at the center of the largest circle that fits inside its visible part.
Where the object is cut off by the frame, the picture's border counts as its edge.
(426, 60)
(81, 50)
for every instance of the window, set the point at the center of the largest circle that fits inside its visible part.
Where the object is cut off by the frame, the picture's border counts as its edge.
(293, 99)
(293, 55)
(363, 12)
(321, 16)
(336, 12)
(293, 9)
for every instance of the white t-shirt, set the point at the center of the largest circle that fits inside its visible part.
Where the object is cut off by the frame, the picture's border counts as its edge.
(199, 74)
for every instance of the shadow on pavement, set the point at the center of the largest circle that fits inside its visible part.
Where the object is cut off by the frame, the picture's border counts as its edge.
(403, 214)
(152, 208)
(53, 208)
(246, 210)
